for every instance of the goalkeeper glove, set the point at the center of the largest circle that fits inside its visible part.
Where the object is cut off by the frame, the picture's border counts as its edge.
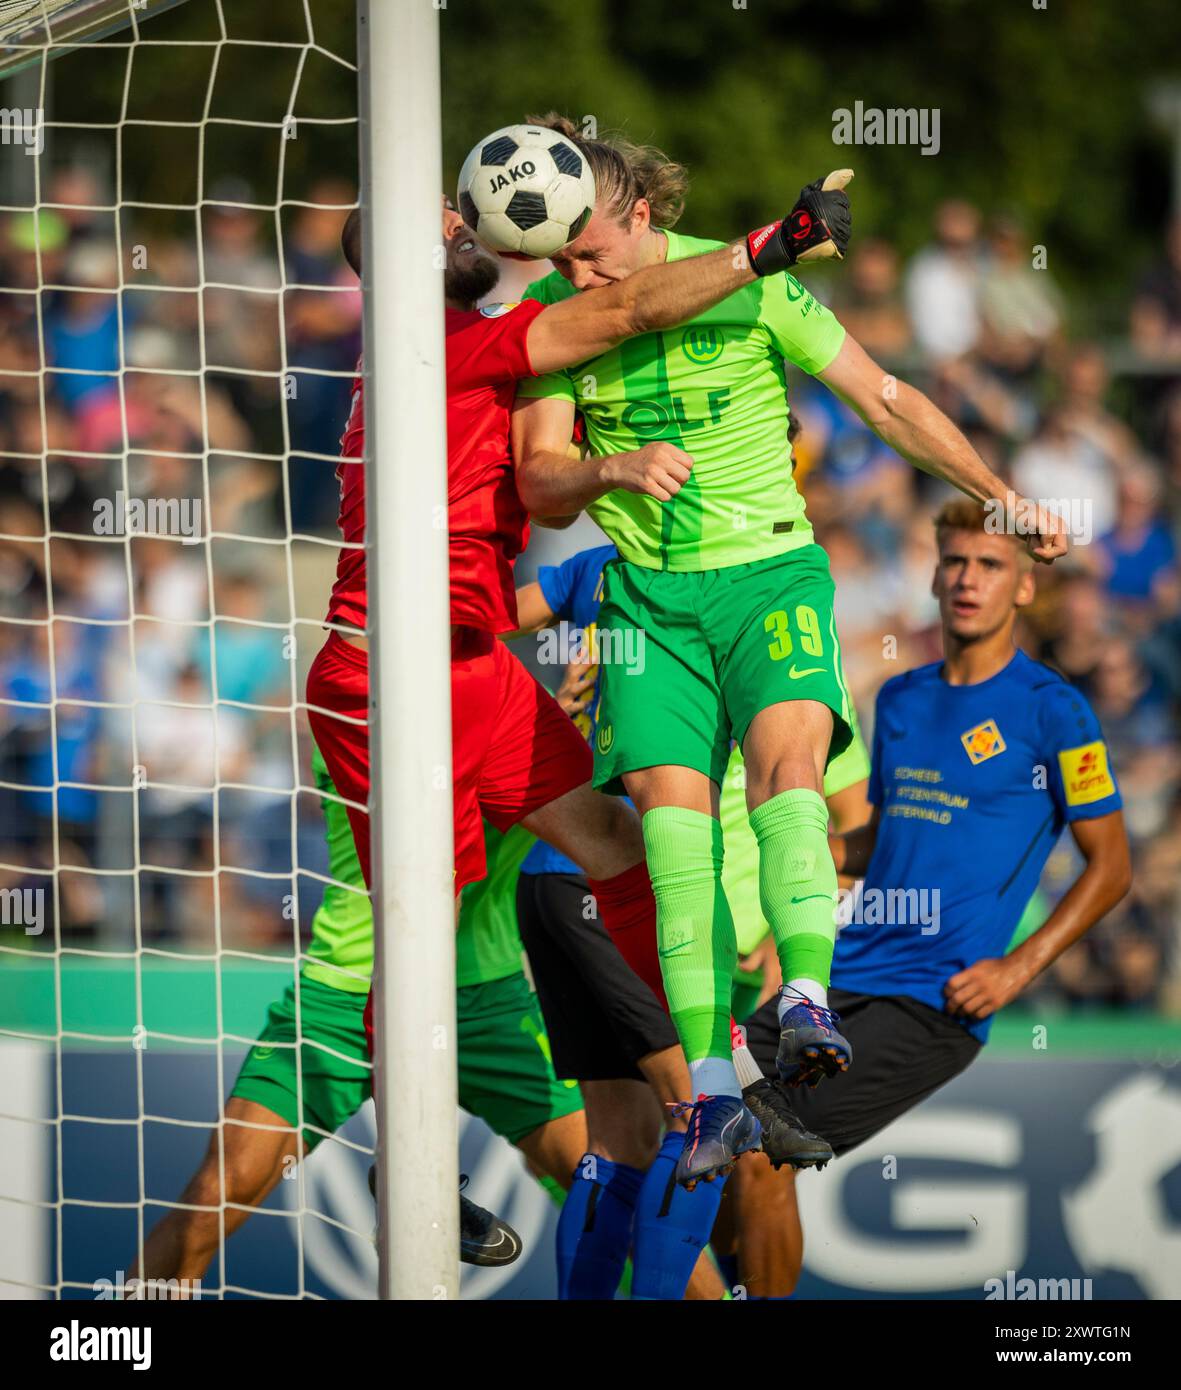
(817, 227)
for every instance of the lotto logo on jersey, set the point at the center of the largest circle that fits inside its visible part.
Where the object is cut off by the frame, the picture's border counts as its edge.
(494, 311)
(983, 742)
(1085, 774)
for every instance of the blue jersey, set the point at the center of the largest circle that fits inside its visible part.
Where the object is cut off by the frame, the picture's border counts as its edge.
(573, 590)
(974, 784)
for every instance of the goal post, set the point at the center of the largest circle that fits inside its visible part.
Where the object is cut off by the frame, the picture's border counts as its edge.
(409, 688)
(29, 29)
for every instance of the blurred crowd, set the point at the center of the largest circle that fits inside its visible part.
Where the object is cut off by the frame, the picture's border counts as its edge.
(105, 608)
(974, 318)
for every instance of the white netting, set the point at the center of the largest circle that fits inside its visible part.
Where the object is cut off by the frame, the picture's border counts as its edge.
(177, 337)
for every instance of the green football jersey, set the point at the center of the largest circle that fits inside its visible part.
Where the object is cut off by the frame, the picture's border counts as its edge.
(342, 929)
(716, 388)
(487, 943)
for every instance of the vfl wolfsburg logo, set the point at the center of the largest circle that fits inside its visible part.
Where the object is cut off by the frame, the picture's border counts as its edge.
(605, 738)
(702, 344)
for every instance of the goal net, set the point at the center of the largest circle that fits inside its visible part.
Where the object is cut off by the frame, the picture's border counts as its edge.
(178, 335)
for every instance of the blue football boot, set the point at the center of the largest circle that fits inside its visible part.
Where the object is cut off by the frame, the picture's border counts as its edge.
(720, 1128)
(810, 1048)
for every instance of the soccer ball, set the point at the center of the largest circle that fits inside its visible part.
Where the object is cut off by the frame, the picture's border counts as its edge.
(526, 191)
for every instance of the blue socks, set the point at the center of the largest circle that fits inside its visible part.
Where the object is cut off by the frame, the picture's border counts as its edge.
(610, 1205)
(672, 1226)
(595, 1228)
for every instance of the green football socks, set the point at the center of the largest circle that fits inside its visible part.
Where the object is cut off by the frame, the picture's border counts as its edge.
(797, 882)
(698, 948)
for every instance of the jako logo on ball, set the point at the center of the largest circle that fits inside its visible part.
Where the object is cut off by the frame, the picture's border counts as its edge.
(526, 191)
(522, 171)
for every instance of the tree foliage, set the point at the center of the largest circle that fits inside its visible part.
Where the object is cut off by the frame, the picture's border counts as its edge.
(1043, 110)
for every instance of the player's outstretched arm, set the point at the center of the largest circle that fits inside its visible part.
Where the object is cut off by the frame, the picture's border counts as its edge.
(658, 297)
(989, 985)
(916, 428)
(661, 296)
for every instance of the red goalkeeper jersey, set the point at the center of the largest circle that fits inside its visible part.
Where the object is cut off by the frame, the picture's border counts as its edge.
(488, 526)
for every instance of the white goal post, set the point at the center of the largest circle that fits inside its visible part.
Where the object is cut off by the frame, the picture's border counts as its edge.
(410, 695)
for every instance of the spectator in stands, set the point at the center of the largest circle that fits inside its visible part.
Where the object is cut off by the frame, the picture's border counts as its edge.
(62, 746)
(323, 333)
(241, 318)
(186, 749)
(1118, 964)
(1080, 627)
(868, 300)
(251, 667)
(1141, 734)
(1138, 557)
(1085, 385)
(1060, 465)
(978, 400)
(1155, 323)
(82, 324)
(79, 201)
(943, 284)
(1020, 306)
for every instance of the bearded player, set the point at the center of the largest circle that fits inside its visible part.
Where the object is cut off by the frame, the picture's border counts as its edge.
(689, 473)
(517, 758)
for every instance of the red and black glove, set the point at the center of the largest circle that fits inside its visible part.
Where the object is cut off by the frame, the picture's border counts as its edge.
(817, 227)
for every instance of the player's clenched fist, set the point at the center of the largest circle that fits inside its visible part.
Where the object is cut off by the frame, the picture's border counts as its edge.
(819, 226)
(1048, 539)
(658, 470)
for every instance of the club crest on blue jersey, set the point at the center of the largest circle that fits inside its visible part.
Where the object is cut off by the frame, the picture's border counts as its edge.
(983, 742)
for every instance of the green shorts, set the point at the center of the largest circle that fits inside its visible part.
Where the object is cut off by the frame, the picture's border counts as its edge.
(505, 1075)
(333, 1058)
(689, 658)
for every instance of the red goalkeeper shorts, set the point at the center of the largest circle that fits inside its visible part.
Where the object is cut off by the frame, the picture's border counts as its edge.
(513, 750)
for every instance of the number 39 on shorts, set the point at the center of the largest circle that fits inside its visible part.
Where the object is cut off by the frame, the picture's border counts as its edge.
(807, 630)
